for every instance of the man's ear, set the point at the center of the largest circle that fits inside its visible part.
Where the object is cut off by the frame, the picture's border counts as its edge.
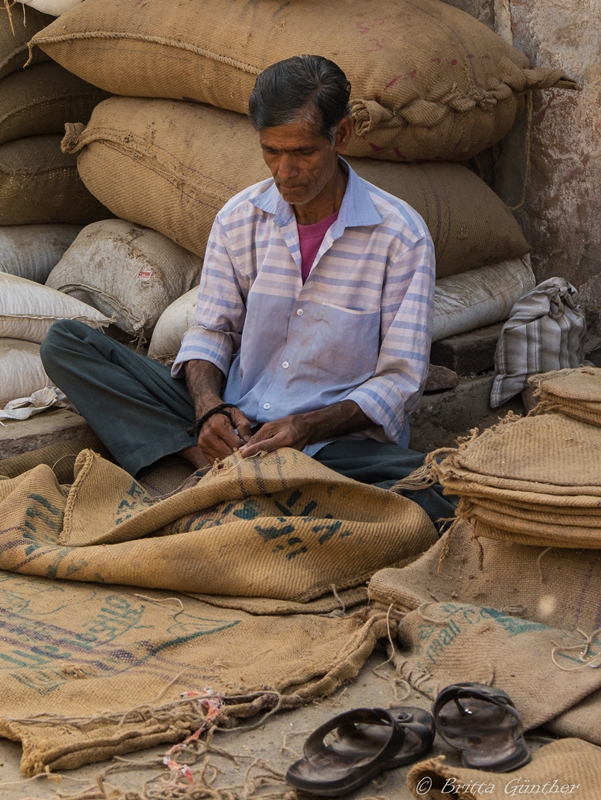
(343, 134)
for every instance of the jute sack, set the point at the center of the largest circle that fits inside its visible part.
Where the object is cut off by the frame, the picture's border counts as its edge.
(281, 526)
(429, 81)
(31, 251)
(127, 272)
(173, 323)
(39, 184)
(553, 586)
(462, 302)
(16, 29)
(519, 467)
(479, 297)
(573, 392)
(41, 99)
(172, 166)
(569, 767)
(112, 664)
(538, 666)
(21, 370)
(27, 310)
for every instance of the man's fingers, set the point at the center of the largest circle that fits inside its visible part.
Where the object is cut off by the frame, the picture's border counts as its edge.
(241, 423)
(266, 445)
(217, 438)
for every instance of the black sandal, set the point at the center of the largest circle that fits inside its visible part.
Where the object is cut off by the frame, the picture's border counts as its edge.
(483, 724)
(368, 742)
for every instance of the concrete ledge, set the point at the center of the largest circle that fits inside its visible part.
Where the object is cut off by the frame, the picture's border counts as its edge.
(47, 428)
(441, 417)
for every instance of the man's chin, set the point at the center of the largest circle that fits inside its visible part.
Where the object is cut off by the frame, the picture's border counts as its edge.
(295, 196)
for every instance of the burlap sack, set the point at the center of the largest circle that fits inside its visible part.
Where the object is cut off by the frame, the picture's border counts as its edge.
(93, 671)
(533, 480)
(41, 99)
(40, 184)
(21, 370)
(172, 166)
(127, 272)
(538, 666)
(16, 29)
(28, 310)
(559, 588)
(429, 81)
(281, 526)
(31, 251)
(573, 392)
(566, 768)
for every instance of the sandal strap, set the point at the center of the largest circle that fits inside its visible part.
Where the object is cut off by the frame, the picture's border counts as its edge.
(368, 716)
(480, 691)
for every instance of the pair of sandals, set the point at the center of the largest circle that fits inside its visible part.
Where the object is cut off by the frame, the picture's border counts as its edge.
(478, 720)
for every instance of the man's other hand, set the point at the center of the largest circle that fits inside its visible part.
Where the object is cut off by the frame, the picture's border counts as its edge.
(299, 430)
(218, 438)
(293, 431)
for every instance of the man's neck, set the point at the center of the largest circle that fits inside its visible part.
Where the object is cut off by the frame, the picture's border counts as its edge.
(327, 202)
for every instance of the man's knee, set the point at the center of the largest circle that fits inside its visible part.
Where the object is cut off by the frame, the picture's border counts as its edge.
(58, 339)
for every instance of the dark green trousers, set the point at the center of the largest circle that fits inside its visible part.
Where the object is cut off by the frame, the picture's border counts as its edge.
(142, 414)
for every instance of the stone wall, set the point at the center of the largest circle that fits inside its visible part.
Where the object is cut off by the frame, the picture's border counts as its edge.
(559, 147)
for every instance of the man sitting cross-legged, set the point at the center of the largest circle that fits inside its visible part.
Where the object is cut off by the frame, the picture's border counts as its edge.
(313, 323)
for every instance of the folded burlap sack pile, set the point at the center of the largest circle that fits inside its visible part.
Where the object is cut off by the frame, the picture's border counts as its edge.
(573, 392)
(533, 480)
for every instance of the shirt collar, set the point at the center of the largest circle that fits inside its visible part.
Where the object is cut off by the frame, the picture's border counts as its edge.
(357, 206)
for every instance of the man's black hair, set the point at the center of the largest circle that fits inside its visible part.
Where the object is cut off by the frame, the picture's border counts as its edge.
(310, 88)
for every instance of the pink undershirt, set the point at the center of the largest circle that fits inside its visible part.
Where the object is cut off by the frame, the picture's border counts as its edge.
(310, 238)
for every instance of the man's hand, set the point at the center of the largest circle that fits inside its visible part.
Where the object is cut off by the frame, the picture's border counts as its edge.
(293, 431)
(218, 439)
(299, 430)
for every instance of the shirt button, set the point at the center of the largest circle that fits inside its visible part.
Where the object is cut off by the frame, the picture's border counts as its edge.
(299, 312)
(285, 365)
(266, 406)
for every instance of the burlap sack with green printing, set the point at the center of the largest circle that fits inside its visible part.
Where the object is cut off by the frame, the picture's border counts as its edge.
(279, 526)
(542, 669)
(89, 671)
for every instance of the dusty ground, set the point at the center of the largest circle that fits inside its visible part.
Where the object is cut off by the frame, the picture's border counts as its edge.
(277, 744)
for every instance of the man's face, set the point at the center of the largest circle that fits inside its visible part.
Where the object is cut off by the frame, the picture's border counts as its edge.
(300, 161)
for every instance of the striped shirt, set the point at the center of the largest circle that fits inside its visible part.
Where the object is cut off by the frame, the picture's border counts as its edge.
(359, 328)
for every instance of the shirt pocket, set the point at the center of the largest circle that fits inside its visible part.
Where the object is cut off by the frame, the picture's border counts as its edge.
(345, 343)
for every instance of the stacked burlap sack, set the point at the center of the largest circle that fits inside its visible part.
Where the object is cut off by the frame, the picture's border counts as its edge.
(147, 162)
(573, 392)
(532, 480)
(430, 84)
(43, 201)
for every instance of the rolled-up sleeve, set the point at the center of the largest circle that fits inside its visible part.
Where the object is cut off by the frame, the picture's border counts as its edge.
(220, 310)
(406, 334)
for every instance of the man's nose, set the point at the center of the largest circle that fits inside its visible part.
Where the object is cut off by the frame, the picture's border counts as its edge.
(287, 167)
